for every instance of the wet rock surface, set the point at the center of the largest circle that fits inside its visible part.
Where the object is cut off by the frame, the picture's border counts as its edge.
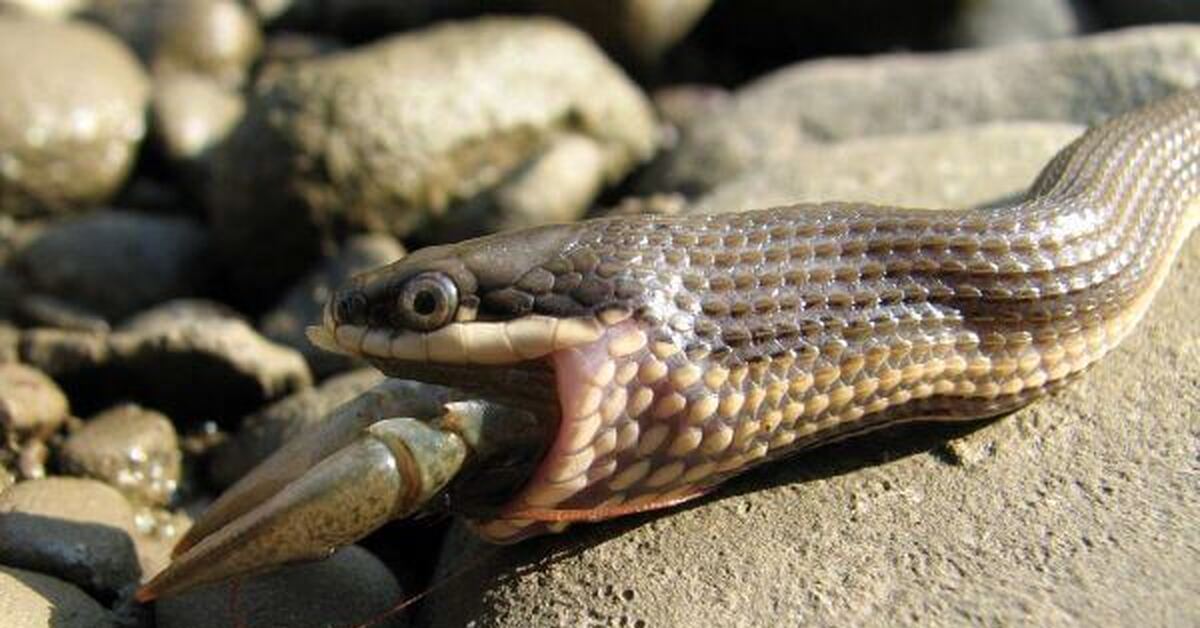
(363, 140)
(348, 589)
(304, 303)
(31, 599)
(117, 263)
(131, 448)
(1080, 81)
(75, 529)
(73, 115)
(189, 359)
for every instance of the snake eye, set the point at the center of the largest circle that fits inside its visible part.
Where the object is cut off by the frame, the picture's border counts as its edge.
(427, 301)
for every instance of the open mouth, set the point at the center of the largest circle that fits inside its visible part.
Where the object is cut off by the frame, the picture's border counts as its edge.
(587, 378)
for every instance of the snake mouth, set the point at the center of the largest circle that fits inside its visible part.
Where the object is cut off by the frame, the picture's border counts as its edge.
(509, 362)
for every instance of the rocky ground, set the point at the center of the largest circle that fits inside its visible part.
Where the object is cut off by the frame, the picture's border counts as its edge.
(183, 184)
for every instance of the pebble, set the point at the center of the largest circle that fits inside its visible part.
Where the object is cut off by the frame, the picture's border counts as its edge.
(73, 115)
(193, 114)
(304, 303)
(411, 156)
(32, 406)
(76, 529)
(116, 263)
(49, 9)
(131, 448)
(998, 22)
(10, 338)
(347, 589)
(1079, 81)
(218, 39)
(639, 30)
(263, 432)
(189, 359)
(29, 599)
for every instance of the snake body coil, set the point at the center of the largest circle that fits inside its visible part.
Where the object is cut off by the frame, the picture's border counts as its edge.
(676, 352)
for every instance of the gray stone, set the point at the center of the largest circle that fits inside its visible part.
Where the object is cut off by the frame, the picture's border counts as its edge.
(73, 115)
(186, 358)
(1028, 519)
(215, 38)
(265, 431)
(556, 186)
(133, 449)
(998, 22)
(79, 530)
(303, 304)
(49, 9)
(32, 407)
(389, 135)
(1080, 81)
(193, 114)
(116, 263)
(640, 30)
(33, 599)
(350, 588)
(952, 168)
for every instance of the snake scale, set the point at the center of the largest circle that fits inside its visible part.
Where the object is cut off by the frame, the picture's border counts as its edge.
(670, 353)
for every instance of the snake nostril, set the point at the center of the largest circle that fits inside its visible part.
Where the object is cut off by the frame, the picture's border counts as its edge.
(349, 307)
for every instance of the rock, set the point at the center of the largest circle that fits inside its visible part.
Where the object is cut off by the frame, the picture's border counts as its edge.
(32, 407)
(158, 532)
(638, 29)
(997, 22)
(387, 136)
(303, 304)
(73, 116)
(1018, 521)
(290, 46)
(263, 432)
(79, 530)
(347, 589)
(7, 478)
(1079, 81)
(40, 310)
(952, 168)
(556, 186)
(183, 358)
(193, 114)
(51, 9)
(34, 599)
(130, 448)
(10, 338)
(116, 263)
(219, 39)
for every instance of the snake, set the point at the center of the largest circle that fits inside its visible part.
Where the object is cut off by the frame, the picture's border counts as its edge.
(666, 354)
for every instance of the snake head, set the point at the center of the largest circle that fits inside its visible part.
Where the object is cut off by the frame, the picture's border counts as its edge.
(499, 301)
